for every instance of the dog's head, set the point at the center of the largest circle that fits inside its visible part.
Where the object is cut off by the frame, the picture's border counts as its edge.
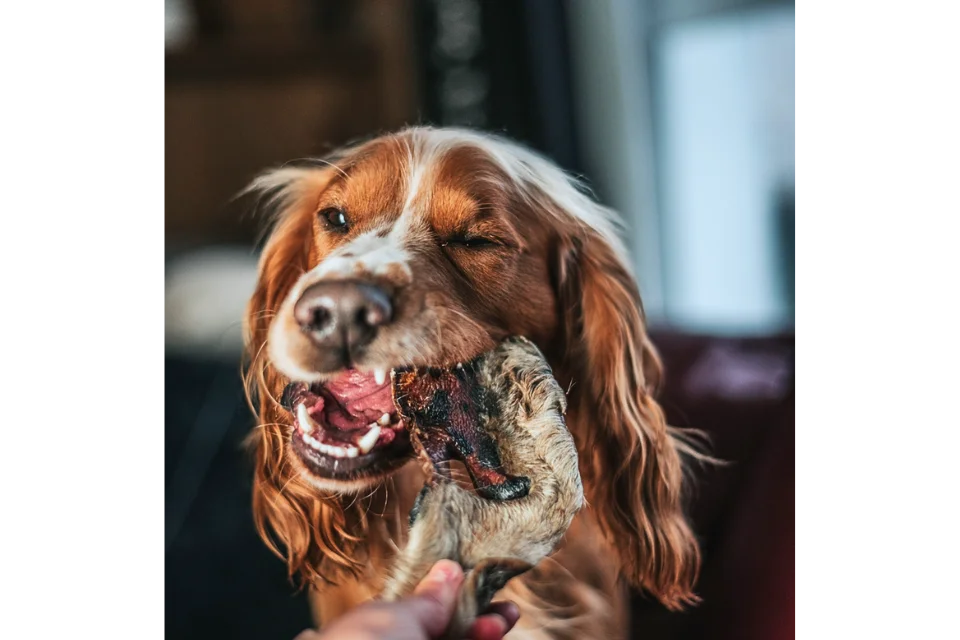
(428, 247)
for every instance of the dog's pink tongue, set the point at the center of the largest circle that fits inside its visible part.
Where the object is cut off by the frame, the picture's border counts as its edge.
(363, 400)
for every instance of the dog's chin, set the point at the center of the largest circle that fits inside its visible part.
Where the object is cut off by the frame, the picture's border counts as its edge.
(361, 482)
(346, 435)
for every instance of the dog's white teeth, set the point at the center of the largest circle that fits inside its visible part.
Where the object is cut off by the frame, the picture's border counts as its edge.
(345, 452)
(369, 438)
(306, 422)
(332, 450)
(459, 365)
(380, 375)
(308, 426)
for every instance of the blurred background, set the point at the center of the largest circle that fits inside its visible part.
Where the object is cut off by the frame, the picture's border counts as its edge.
(679, 114)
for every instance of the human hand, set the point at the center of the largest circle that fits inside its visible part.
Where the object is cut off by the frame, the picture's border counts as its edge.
(422, 616)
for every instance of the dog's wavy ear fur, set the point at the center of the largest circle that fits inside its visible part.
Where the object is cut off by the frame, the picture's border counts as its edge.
(630, 458)
(314, 533)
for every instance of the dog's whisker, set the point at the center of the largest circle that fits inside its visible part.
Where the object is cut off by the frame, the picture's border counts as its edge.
(472, 322)
(386, 498)
(274, 424)
(353, 502)
(322, 161)
(287, 483)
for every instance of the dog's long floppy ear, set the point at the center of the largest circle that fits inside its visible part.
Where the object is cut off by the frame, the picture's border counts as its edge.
(630, 458)
(301, 526)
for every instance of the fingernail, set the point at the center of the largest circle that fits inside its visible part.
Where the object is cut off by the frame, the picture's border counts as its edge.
(489, 626)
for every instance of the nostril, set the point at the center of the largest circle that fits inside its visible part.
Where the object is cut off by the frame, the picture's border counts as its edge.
(314, 313)
(320, 318)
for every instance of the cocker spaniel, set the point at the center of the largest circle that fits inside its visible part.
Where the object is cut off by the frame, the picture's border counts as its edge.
(428, 247)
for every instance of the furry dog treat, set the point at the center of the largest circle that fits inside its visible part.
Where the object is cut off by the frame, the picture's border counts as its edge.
(447, 412)
(501, 415)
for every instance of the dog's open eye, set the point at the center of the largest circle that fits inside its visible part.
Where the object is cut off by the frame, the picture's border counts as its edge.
(335, 218)
(469, 242)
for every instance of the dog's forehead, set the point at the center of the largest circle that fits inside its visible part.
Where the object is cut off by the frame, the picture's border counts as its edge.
(416, 180)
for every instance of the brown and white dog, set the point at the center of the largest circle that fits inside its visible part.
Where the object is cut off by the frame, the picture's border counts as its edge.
(428, 247)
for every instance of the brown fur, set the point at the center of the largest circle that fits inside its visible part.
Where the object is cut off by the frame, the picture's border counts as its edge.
(556, 279)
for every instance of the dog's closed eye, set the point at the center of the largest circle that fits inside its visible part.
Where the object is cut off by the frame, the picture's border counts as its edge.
(467, 241)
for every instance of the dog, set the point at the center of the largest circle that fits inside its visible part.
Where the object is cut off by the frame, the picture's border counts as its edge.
(427, 247)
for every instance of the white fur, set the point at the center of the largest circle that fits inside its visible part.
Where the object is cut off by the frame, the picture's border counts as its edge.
(416, 169)
(368, 254)
(423, 152)
(280, 352)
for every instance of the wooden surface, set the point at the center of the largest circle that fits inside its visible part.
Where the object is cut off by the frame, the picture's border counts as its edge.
(260, 87)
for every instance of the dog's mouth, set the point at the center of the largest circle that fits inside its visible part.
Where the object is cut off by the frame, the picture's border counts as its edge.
(347, 427)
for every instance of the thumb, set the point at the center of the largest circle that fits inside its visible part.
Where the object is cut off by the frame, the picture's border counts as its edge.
(435, 597)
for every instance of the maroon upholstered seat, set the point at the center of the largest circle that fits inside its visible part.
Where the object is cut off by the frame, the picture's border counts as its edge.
(741, 392)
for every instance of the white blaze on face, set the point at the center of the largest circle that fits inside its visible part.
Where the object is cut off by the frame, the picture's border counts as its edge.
(375, 253)
(424, 154)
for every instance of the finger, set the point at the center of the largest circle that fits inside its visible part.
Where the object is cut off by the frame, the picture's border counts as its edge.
(489, 626)
(435, 597)
(506, 610)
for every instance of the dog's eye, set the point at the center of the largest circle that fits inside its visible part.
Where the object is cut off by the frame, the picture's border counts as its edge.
(469, 242)
(335, 218)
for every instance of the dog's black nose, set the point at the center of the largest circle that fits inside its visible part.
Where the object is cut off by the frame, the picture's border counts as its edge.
(342, 314)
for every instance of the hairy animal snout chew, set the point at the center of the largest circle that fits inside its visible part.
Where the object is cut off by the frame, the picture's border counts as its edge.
(449, 414)
(502, 416)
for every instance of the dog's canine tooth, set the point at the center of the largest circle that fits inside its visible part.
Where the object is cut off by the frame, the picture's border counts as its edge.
(306, 422)
(370, 438)
(384, 420)
(380, 375)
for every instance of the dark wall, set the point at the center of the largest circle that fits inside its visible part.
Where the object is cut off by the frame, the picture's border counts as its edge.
(500, 66)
